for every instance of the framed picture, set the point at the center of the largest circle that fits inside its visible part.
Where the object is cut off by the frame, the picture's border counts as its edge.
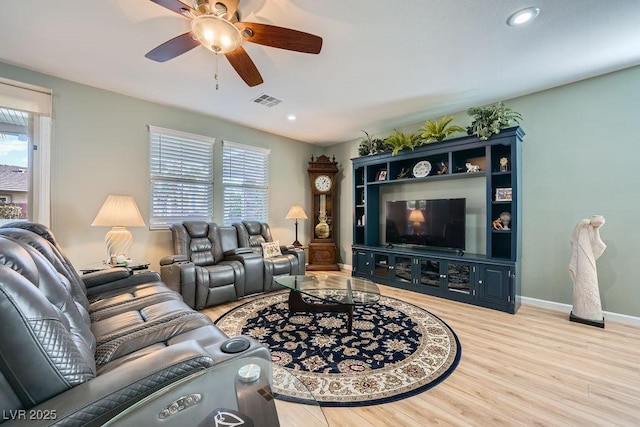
(382, 175)
(503, 194)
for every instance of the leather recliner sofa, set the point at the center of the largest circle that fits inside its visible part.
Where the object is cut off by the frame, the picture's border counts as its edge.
(87, 347)
(253, 234)
(215, 264)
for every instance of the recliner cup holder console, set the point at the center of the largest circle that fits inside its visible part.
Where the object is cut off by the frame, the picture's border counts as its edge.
(235, 345)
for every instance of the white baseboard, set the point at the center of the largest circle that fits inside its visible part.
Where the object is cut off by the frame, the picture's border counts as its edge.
(565, 308)
(345, 267)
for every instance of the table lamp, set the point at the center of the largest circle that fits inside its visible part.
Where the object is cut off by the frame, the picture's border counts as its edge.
(296, 212)
(417, 218)
(118, 212)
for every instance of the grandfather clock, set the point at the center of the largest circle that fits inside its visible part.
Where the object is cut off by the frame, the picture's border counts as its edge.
(323, 250)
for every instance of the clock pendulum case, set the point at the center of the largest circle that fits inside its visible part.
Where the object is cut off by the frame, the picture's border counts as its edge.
(323, 248)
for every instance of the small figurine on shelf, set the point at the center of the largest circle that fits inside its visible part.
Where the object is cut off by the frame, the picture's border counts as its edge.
(504, 164)
(472, 168)
(505, 219)
(502, 223)
(404, 172)
(443, 168)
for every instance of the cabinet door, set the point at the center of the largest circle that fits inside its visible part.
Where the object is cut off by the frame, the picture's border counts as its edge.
(429, 276)
(402, 268)
(362, 263)
(494, 286)
(459, 280)
(381, 266)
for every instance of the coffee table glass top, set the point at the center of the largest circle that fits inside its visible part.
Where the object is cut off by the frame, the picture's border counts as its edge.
(333, 288)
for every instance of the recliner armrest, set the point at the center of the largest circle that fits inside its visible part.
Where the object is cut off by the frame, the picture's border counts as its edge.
(170, 259)
(238, 251)
(101, 277)
(101, 285)
(103, 397)
(181, 277)
(299, 254)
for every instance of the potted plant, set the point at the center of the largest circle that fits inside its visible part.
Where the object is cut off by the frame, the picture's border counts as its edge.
(433, 131)
(491, 119)
(398, 141)
(371, 146)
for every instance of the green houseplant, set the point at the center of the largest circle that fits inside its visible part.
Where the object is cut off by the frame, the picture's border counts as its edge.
(433, 131)
(489, 120)
(370, 145)
(398, 141)
(10, 211)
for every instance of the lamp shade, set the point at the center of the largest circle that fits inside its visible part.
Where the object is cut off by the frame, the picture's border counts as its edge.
(296, 212)
(119, 211)
(416, 215)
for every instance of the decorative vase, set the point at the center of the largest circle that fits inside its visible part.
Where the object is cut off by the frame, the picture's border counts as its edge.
(505, 219)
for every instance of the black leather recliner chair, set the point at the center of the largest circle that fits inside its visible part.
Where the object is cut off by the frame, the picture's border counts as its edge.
(200, 269)
(252, 234)
(213, 264)
(53, 358)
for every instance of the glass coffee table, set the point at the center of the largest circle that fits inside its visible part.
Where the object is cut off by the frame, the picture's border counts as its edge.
(237, 392)
(338, 294)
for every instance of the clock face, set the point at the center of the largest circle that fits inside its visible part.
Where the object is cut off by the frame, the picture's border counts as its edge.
(323, 183)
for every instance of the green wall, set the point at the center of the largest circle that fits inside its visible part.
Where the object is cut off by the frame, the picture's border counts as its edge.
(100, 146)
(580, 157)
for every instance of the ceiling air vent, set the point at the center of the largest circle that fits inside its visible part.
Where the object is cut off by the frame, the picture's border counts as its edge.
(267, 100)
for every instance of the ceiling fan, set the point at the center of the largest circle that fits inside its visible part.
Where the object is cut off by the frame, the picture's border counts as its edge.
(216, 25)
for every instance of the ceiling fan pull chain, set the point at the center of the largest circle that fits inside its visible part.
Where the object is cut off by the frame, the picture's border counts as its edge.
(216, 74)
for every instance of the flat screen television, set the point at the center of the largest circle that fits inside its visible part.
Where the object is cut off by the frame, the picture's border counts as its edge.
(436, 223)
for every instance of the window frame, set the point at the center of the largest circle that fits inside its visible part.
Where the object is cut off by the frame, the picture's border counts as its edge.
(37, 101)
(263, 187)
(157, 221)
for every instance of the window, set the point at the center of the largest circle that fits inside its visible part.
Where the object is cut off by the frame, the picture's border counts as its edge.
(181, 172)
(25, 129)
(245, 179)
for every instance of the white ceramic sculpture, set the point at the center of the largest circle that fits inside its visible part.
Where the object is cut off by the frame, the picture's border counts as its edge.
(587, 248)
(472, 168)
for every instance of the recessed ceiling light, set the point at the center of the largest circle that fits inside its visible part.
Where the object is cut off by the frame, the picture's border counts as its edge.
(523, 16)
(291, 117)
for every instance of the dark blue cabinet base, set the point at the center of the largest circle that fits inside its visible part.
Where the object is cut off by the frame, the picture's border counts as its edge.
(468, 278)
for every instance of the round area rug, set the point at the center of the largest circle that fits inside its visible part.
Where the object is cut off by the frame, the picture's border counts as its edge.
(396, 349)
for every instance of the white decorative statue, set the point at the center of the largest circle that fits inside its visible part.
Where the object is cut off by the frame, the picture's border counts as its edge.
(587, 248)
(472, 168)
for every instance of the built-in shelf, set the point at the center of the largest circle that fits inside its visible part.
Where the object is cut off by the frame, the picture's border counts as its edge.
(493, 278)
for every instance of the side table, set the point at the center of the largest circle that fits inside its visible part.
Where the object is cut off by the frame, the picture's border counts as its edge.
(100, 266)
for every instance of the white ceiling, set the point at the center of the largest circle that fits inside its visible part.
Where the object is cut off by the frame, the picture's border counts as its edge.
(383, 63)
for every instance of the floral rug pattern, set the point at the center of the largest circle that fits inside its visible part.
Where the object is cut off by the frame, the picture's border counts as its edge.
(396, 349)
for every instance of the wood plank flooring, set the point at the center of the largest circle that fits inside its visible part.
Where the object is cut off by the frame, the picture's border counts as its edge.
(534, 368)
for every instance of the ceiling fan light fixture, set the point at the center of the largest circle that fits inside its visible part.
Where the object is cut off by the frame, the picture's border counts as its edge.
(523, 16)
(216, 34)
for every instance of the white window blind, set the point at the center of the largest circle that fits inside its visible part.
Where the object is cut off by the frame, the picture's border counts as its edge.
(245, 179)
(181, 172)
(25, 97)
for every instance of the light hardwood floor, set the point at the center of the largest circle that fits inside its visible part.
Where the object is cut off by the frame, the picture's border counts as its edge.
(534, 368)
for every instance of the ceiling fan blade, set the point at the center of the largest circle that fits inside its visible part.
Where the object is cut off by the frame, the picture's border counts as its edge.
(176, 6)
(174, 47)
(244, 66)
(283, 38)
